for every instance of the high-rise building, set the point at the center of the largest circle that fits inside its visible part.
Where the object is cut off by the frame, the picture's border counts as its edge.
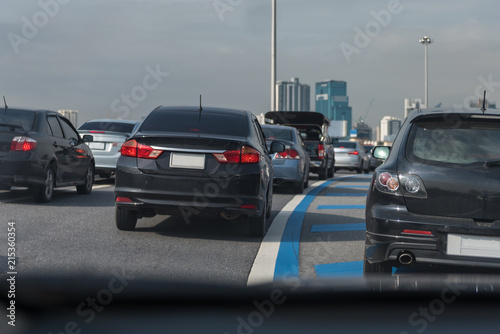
(411, 104)
(389, 127)
(72, 115)
(363, 130)
(293, 96)
(333, 102)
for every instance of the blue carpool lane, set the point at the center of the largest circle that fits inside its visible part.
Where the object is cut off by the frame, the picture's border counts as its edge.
(287, 262)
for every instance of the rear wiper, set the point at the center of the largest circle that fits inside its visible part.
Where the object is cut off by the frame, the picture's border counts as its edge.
(492, 163)
(12, 126)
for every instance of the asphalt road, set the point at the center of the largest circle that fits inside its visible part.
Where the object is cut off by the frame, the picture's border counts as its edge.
(76, 234)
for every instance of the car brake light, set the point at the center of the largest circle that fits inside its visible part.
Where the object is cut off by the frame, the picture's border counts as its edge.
(418, 232)
(321, 151)
(93, 131)
(123, 200)
(136, 150)
(408, 185)
(354, 152)
(21, 143)
(288, 154)
(245, 155)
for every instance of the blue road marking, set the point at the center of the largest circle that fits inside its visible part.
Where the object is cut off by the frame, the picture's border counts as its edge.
(364, 187)
(347, 194)
(337, 207)
(287, 261)
(338, 227)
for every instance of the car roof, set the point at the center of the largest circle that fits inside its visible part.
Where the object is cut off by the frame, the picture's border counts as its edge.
(416, 113)
(204, 109)
(45, 111)
(114, 120)
(291, 128)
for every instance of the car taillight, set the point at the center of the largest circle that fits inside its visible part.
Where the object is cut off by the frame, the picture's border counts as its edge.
(21, 143)
(245, 155)
(288, 154)
(137, 150)
(93, 131)
(409, 185)
(321, 151)
(354, 152)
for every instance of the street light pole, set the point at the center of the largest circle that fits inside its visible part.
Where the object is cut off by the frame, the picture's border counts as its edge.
(273, 57)
(426, 41)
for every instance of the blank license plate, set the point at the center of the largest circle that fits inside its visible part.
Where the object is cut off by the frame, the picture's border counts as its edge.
(473, 245)
(97, 146)
(185, 160)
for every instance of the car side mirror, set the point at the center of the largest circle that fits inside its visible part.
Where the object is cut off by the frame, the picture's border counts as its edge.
(88, 138)
(277, 147)
(381, 152)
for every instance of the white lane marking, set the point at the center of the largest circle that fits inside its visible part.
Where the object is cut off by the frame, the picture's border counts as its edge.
(262, 271)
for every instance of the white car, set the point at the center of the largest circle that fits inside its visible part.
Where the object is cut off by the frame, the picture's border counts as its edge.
(109, 135)
(350, 155)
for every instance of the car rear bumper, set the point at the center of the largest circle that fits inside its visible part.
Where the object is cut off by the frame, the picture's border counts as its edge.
(385, 240)
(289, 171)
(21, 173)
(166, 194)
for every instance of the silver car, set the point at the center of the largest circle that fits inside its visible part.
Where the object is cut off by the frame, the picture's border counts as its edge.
(109, 135)
(350, 155)
(292, 165)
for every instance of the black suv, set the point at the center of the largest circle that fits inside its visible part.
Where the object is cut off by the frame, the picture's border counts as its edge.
(41, 149)
(436, 198)
(190, 161)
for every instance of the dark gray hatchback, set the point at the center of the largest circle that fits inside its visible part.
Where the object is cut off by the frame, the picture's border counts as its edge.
(190, 161)
(436, 199)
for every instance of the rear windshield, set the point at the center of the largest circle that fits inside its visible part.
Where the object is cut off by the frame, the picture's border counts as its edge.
(344, 145)
(276, 133)
(463, 142)
(191, 122)
(108, 126)
(310, 132)
(12, 120)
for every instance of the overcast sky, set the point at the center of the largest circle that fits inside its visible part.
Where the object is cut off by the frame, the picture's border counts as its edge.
(122, 58)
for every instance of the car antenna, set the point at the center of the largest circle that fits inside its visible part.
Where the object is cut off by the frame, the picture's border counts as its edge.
(200, 109)
(483, 109)
(5, 103)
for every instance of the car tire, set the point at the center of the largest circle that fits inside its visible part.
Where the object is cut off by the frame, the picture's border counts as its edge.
(380, 268)
(306, 182)
(86, 188)
(45, 192)
(125, 219)
(257, 226)
(360, 169)
(323, 174)
(105, 175)
(331, 171)
(298, 187)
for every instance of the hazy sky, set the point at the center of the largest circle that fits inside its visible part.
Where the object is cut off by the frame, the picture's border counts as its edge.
(122, 58)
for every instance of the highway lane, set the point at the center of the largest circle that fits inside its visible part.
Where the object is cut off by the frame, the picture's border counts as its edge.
(76, 234)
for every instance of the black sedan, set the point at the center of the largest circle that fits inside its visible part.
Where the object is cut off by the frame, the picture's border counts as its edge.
(41, 149)
(191, 161)
(436, 199)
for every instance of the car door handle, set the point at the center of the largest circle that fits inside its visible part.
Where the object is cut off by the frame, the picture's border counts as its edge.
(55, 144)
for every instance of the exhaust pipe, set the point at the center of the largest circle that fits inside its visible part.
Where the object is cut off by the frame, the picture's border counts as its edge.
(230, 215)
(406, 258)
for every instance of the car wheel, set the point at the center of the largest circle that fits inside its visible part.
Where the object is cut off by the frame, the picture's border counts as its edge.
(44, 193)
(125, 219)
(367, 168)
(86, 188)
(323, 174)
(381, 268)
(257, 226)
(306, 182)
(331, 171)
(360, 169)
(105, 175)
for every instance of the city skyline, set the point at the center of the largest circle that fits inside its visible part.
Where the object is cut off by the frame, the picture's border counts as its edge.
(84, 55)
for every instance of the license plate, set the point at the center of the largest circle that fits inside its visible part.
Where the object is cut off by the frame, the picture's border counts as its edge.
(97, 146)
(473, 245)
(185, 160)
